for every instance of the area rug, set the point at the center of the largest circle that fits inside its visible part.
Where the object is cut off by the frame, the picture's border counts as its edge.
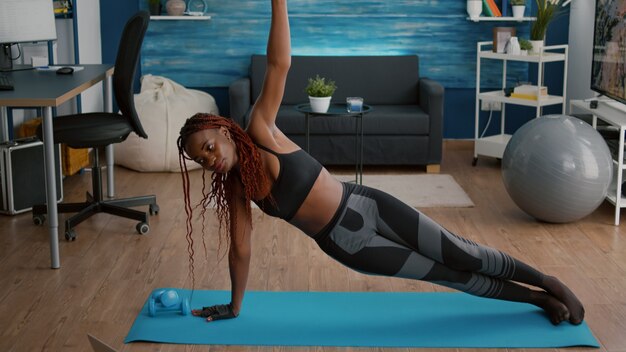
(363, 319)
(419, 190)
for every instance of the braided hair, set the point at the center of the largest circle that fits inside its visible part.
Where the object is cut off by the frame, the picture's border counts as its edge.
(250, 173)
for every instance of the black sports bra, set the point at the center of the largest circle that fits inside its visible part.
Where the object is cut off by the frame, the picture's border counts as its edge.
(298, 172)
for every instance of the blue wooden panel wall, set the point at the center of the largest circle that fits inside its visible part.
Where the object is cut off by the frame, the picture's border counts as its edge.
(214, 53)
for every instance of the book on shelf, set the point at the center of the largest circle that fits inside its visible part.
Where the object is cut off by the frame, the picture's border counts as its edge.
(531, 89)
(525, 96)
(486, 9)
(530, 92)
(504, 6)
(494, 8)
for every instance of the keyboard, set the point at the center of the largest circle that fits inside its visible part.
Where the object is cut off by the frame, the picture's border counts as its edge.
(6, 83)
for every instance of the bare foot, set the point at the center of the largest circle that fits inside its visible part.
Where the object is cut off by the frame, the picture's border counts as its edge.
(556, 311)
(556, 288)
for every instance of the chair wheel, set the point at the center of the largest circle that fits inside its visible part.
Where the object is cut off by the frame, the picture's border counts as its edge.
(39, 219)
(143, 228)
(154, 209)
(70, 235)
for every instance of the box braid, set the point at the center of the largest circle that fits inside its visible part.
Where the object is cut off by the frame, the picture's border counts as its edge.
(250, 173)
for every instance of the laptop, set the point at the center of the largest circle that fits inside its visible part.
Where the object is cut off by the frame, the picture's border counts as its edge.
(98, 345)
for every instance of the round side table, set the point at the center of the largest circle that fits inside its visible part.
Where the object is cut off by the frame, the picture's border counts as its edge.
(339, 109)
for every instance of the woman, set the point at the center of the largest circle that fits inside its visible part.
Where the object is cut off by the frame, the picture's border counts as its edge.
(363, 228)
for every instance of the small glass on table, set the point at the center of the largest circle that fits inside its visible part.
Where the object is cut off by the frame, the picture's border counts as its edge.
(354, 104)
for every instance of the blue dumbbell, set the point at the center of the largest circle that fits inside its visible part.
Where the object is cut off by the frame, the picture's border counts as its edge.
(167, 301)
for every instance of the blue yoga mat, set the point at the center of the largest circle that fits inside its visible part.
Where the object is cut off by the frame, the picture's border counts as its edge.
(362, 319)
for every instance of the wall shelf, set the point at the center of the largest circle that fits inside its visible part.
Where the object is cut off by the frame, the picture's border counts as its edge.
(500, 19)
(180, 18)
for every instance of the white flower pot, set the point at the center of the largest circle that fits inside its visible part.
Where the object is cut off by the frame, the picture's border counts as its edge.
(319, 104)
(518, 11)
(537, 47)
(474, 8)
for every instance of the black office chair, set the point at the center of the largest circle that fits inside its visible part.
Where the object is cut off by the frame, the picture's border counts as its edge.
(98, 129)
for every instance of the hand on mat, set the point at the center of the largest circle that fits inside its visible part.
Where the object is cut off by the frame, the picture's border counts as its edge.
(216, 312)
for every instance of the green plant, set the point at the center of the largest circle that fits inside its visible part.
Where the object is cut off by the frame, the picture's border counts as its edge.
(518, 2)
(525, 44)
(547, 10)
(320, 87)
(154, 2)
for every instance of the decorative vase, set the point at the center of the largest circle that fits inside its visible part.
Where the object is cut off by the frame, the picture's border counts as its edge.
(175, 7)
(474, 8)
(518, 11)
(319, 104)
(512, 47)
(537, 47)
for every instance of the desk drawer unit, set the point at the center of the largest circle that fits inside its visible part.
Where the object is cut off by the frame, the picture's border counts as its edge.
(22, 176)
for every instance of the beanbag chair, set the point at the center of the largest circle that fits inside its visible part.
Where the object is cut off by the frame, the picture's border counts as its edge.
(163, 106)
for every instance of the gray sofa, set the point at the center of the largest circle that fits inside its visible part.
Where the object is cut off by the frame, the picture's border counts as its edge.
(404, 128)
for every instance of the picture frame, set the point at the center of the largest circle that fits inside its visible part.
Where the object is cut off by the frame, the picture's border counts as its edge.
(501, 36)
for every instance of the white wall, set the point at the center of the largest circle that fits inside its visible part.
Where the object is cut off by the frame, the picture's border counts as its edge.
(89, 49)
(64, 54)
(580, 49)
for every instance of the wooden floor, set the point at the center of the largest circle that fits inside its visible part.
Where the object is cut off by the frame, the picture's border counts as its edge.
(107, 273)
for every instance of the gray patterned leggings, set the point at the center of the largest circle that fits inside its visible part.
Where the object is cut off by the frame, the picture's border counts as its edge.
(375, 233)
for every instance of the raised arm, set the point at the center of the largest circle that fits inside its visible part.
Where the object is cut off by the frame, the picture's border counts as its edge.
(278, 61)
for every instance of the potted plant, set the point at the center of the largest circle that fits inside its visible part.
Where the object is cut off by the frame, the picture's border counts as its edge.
(525, 46)
(320, 91)
(518, 6)
(155, 7)
(547, 10)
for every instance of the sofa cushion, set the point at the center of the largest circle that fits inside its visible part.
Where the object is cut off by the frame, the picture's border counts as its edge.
(377, 150)
(383, 120)
(385, 80)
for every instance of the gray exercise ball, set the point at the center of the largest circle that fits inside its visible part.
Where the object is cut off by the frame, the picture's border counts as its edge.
(557, 168)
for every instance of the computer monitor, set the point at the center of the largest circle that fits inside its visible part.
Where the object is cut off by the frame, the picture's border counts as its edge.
(24, 21)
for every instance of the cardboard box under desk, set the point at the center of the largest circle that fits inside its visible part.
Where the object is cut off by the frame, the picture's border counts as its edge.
(72, 160)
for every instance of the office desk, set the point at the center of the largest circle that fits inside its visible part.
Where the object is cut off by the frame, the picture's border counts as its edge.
(46, 89)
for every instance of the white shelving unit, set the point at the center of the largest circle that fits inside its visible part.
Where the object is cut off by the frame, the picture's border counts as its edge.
(494, 145)
(617, 118)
